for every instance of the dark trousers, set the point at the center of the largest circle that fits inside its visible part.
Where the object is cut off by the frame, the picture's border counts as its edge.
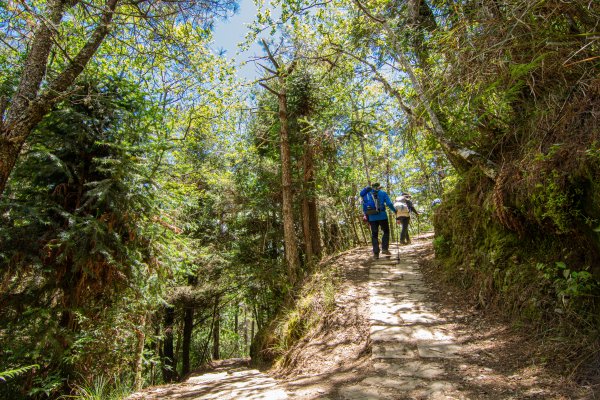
(404, 234)
(385, 240)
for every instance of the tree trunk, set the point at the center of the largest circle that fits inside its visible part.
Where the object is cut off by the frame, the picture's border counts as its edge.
(356, 241)
(246, 348)
(289, 235)
(236, 319)
(334, 235)
(188, 326)
(454, 151)
(311, 191)
(308, 250)
(313, 214)
(138, 380)
(462, 158)
(169, 363)
(216, 331)
(420, 20)
(158, 350)
(236, 324)
(310, 213)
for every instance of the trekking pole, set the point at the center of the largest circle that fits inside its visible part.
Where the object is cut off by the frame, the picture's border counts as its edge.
(397, 242)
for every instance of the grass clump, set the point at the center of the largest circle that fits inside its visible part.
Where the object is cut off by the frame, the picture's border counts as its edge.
(101, 388)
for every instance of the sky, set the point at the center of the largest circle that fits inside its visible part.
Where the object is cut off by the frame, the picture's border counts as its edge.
(227, 34)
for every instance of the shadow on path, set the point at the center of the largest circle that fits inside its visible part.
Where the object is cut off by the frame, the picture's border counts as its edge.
(387, 339)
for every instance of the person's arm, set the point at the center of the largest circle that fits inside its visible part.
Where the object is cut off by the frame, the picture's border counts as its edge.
(389, 203)
(411, 208)
(365, 191)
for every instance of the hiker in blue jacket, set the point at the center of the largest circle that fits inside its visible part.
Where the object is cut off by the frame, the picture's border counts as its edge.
(374, 202)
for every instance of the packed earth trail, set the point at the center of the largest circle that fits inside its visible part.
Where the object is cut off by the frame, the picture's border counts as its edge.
(395, 334)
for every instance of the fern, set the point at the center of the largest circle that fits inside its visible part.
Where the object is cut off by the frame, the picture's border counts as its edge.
(13, 373)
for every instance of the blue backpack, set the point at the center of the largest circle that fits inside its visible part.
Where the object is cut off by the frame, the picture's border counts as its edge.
(372, 203)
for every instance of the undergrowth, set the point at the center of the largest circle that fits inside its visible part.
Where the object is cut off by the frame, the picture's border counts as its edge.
(543, 274)
(101, 388)
(313, 303)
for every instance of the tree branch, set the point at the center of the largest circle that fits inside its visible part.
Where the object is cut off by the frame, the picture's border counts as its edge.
(267, 68)
(72, 71)
(270, 55)
(36, 62)
(366, 11)
(276, 93)
(471, 157)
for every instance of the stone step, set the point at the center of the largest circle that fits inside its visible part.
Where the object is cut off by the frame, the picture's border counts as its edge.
(393, 350)
(363, 392)
(417, 369)
(438, 350)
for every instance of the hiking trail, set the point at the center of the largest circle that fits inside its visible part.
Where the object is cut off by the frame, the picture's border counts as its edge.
(390, 337)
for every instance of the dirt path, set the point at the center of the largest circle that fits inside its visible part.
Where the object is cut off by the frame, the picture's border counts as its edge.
(394, 334)
(228, 380)
(409, 338)
(424, 341)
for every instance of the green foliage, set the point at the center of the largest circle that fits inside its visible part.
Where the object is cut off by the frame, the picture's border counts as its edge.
(551, 203)
(47, 385)
(84, 191)
(571, 287)
(100, 388)
(12, 373)
(441, 246)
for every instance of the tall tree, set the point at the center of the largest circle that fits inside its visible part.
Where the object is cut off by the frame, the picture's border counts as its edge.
(43, 81)
(281, 72)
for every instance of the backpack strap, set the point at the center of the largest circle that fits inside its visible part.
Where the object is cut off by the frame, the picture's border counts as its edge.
(377, 203)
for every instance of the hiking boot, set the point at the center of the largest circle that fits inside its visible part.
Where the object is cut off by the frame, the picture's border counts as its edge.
(387, 252)
(376, 256)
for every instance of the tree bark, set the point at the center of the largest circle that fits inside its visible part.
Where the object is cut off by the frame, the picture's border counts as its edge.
(420, 20)
(246, 343)
(388, 186)
(364, 234)
(188, 327)
(19, 122)
(308, 251)
(169, 362)
(289, 235)
(138, 381)
(310, 220)
(350, 218)
(216, 331)
(236, 324)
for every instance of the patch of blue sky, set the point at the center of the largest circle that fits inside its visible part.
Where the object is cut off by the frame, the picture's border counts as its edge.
(229, 33)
